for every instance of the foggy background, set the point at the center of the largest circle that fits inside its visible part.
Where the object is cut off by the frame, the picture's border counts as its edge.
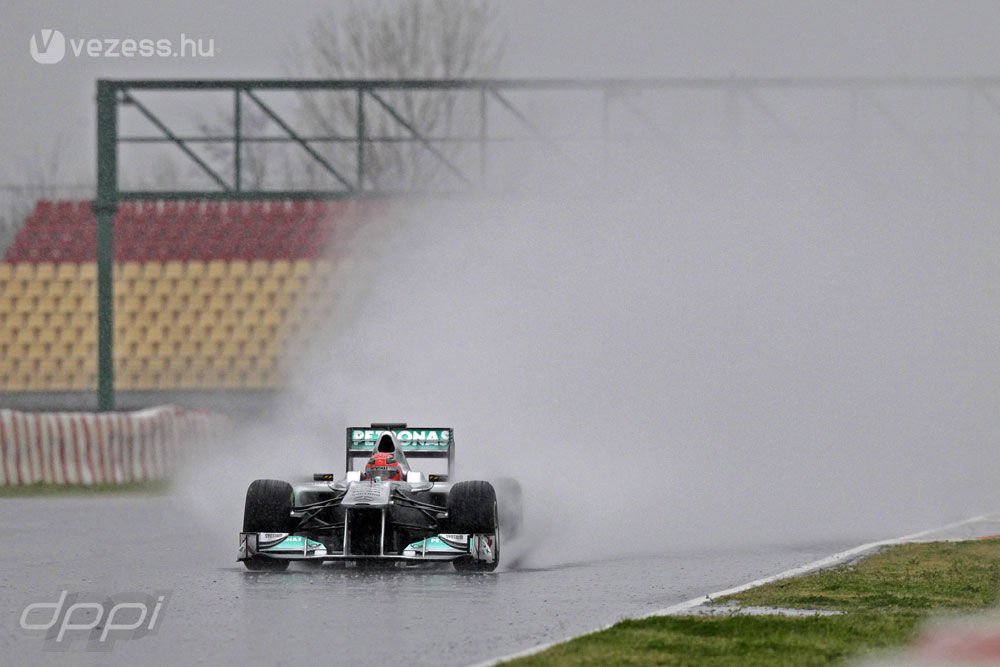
(50, 108)
(790, 342)
(784, 354)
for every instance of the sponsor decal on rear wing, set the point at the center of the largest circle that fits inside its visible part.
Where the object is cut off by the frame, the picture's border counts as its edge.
(416, 442)
(431, 440)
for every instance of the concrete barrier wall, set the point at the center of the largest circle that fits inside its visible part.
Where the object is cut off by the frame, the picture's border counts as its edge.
(99, 448)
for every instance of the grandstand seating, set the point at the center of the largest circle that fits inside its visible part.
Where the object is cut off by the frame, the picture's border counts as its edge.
(163, 231)
(207, 295)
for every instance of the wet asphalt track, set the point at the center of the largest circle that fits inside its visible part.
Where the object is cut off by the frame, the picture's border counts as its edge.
(218, 613)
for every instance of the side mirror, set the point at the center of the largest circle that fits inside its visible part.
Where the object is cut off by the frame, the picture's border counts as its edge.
(354, 476)
(322, 476)
(415, 477)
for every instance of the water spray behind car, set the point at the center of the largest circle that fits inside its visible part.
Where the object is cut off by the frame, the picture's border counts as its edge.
(769, 350)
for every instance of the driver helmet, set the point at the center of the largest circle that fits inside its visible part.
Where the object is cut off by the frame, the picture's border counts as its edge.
(383, 465)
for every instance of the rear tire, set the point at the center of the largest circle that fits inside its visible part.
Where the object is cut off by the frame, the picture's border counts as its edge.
(268, 509)
(472, 509)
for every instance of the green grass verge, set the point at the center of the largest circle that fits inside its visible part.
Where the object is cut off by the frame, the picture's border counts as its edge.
(936, 576)
(886, 596)
(41, 489)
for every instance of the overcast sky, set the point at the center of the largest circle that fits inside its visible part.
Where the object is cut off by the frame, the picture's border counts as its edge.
(43, 104)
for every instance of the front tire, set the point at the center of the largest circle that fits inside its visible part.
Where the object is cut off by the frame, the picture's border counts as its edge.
(268, 509)
(472, 510)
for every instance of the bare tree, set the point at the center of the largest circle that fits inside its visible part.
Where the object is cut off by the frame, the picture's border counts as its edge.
(425, 39)
(255, 157)
(44, 177)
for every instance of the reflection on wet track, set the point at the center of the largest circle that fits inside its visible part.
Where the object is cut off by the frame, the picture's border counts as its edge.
(218, 613)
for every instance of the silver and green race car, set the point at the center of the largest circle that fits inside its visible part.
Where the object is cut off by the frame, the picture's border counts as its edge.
(406, 518)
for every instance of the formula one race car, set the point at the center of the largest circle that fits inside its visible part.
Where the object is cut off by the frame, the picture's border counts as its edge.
(382, 511)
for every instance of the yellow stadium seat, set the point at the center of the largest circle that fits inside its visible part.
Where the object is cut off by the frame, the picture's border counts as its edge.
(163, 287)
(14, 382)
(142, 287)
(230, 348)
(48, 336)
(145, 349)
(187, 285)
(199, 364)
(194, 268)
(174, 270)
(217, 303)
(24, 271)
(175, 305)
(217, 269)
(82, 349)
(269, 286)
(156, 365)
(81, 318)
(6, 271)
(45, 271)
(239, 268)
(58, 287)
(130, 271)
(133, 304)
(250, 284)
(156, 335)
(187, 318)
(227, 286)
(35, 288)
(83, 289)
(293, 285)
(271, 318)
(63, 321)
(37, 320)
(49, 365)
(177, 325)
(88, 335)
(184, 379)
(189, 349)
(221, 362)
(281, 268)
(241, 302)
(47, 304)
(282, 302)
(218, 334)
(241, 333)
(242, 366)
(152, 270)
(158, 302)
(258, 347)
(25, 306)
(260, 268)
(67, 271)
(77, 381)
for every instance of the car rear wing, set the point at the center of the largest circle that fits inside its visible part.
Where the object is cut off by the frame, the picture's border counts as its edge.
(417, 443)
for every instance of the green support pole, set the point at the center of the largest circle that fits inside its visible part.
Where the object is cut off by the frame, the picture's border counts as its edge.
(361, 141)
(237, 140)
(105, 207)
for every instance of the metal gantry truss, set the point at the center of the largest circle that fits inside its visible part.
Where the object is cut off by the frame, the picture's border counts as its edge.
(492, 100)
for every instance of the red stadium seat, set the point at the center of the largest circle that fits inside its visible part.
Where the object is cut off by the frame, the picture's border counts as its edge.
(66, 231)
